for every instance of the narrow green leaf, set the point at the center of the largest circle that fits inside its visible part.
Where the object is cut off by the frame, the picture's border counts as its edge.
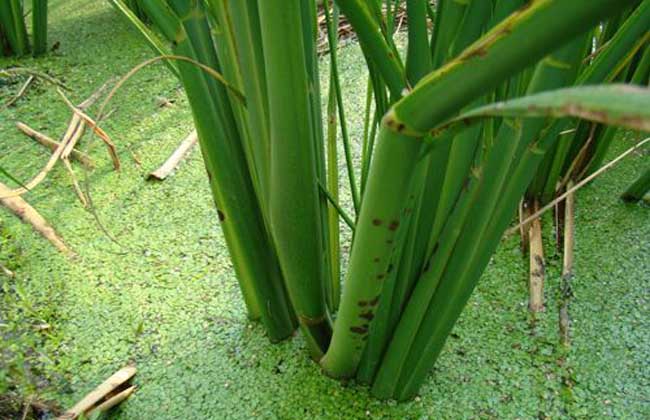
(620, 105)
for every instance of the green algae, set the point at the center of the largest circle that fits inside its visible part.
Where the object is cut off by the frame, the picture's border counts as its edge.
(165, 298)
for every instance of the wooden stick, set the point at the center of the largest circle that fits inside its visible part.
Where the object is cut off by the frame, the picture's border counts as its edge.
(76, 130)
(46, 141)
(175, 159)
(100, 133)
(28, 214)
(7, 272)
(114, 400)
(537, 266)
(98, 397)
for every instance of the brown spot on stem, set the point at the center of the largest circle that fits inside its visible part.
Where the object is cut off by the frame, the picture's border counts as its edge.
(375, 301)
(476, 52)
(380, 276)
(393, 225)
(376, 222)
(222, 216)
(369, 315)
(359, 330)
(541, 266)
(376, 259)
(390, 268)
(362, 303)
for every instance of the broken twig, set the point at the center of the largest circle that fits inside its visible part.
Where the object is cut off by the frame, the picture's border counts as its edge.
(46, 141)
(175, 159)
(110, 393)
(28, 214)
(100, 133)
(7, 272)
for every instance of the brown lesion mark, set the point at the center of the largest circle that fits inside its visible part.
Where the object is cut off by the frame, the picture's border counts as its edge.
(466, 184)
(376, 259)
(362, 303)
(376, 222)
(375, 301)
(305, 320)
(368, 315)
(380, 276)
(541, 266)
(393, 225)
(222, 216)
(474, 53)
(390, 268)
(359, 330)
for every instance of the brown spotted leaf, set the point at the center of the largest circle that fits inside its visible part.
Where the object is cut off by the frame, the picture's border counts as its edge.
(617, 104)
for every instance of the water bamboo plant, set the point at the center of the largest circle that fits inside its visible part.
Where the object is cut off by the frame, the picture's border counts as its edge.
(443, 169)
(13, 30)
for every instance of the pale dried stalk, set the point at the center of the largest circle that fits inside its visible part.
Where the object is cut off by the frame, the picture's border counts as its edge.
(7, 272)
(537, 265)
(28, 214)
(92, 124)
(76, 129)
(101, 396)
(113, 401)
(48, 142)
(175, 159)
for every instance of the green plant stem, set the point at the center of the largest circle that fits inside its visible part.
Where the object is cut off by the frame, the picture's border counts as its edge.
(294, 197)
(332, 34)
(525, 23)
(334, 296)
(39, 26)
(638, 189)
(251, 251)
